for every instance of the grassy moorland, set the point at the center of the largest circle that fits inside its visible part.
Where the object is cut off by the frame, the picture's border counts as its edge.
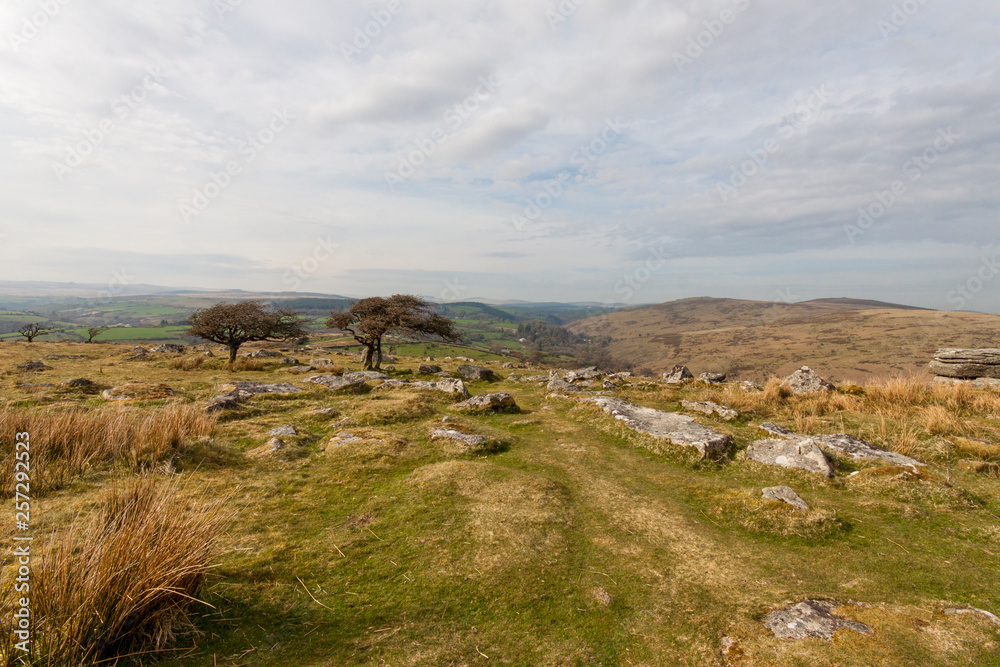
(570, 541)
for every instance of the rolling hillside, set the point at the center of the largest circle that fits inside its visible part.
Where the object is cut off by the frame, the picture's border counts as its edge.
(845, 339)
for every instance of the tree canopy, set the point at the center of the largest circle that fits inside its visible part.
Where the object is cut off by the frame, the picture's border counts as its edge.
(370, 319)
(232, 324)
(35, 329)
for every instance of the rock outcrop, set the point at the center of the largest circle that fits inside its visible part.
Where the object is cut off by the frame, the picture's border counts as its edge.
(681, 430)
(429, 369)
(967, 364)
(842, 444)
(365, 375)
(258, 388)
(806, 381)
(812, 619)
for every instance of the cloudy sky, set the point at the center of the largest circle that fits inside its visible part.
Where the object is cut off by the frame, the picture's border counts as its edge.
(586, 150)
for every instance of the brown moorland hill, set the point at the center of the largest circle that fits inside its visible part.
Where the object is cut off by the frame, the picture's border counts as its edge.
(845, 339)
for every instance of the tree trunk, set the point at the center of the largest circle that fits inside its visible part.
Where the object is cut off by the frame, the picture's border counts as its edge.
(368, 355)
(378, 354)
(233, 349)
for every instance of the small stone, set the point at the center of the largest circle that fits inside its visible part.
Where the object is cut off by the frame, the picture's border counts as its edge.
(365, 375)
(787, 453)
(338, 384)
(810, 619)
(785, 495)
(709, 408)
(428, 369)
(678, 375)
(466, 439)
(489, 403)
(476, 373)
(286, 431)
(806, 381)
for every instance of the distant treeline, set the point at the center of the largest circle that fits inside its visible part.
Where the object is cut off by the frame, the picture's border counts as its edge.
(551, 339)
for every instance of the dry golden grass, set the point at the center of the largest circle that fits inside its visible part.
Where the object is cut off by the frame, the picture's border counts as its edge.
(186, 363)
(125, 578)
(247, 364)
(761, 515)
(67, 443)
(382, 408)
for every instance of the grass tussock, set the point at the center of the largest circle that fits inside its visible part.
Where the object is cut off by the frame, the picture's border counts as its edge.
(383, 408)
(760, 515)
(242, 364)
(186, 363)
(124, 579)
(914, 488)
(66, 444)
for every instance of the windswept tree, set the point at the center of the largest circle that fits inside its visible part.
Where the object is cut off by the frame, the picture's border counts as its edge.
(94, 332)
(34, 330)
(370, 319)
(232, 324)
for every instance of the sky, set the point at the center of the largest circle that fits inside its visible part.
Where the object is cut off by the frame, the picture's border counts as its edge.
(608, 151)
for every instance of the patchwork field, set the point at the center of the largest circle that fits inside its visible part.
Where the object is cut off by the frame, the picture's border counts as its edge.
(565, 539)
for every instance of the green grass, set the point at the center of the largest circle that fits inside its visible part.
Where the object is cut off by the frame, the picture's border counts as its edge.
(573, 546)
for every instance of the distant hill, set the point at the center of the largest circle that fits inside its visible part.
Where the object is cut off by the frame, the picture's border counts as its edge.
(846, 339)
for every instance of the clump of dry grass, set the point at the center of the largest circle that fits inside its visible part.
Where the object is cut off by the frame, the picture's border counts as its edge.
(125, 579)
(898, 436)
(895, 395)
(247, 364)
(65, 444)
(186, 363)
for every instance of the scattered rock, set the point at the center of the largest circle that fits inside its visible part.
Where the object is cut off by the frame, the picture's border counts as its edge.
(138, 352)
(978, 383)
(610, 384)
(136, 391)
(967, 364)
(810, 619)
(992, 618)
(258, 388)
(751, 387)
(466, 439)
(806, 381)
(489, 403)
(602, 596)
(80, 383)
(287, 431)
(265, 354)
(790, 453)
(557, 384)
(786, 495)
(326, 412)
(34, 366)
(590, 373)
(774, 429)
(678, 375)
(343, 439)
(300, 370)
(712, 378)
(168, 347)
(709, 408)
(289, 361)
(428, 369)
(857, 448)
(448, 386)
(321, 364)
(843, 444)
(679, 429)
(223, 403)
(340, 385)
(365, 375)
(270, 448)
(476, 373)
